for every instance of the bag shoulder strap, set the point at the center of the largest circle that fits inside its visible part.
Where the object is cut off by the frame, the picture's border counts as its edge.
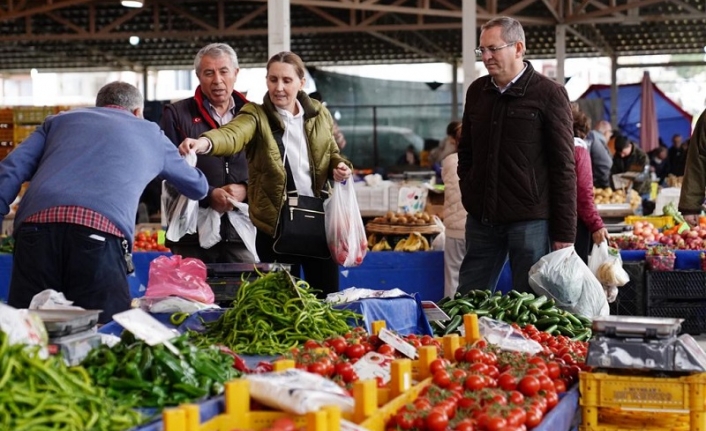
(279, 134)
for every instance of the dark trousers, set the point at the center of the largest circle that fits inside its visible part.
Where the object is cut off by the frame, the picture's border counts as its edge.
(86, 265)
(321, 274)
(584, 241)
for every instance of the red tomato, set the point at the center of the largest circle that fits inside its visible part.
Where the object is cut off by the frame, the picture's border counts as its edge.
(386, 349)
(284, 424)
(460, 354)
(507, 381)
(552, 399)
(495, 423)
(534, 417)
(474, 355)
(529, 386)
(516, 397)
(465, 425)
(317, 368)
(338, 344)
(437, 420)
(346, 371)
(559, 386)
(474, 382)
(405, 420)
(427, 340)
(546, 384)
(553, 370)
(459, 374)
(355, 351)
(441, 378)
(516, 417)
(438, 364)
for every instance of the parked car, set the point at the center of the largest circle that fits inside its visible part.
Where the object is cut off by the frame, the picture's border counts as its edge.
(391, 142)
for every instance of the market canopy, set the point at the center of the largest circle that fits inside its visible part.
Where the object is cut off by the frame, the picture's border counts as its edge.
(671, 118)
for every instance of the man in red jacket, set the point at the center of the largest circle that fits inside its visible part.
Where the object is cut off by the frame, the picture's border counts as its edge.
(515, 163)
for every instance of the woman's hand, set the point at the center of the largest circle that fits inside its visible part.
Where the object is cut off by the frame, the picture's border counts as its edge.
(600, 235)
(200, 146)
(341, 173)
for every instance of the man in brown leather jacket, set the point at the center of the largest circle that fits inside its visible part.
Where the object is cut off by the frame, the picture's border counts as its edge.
(516, 163)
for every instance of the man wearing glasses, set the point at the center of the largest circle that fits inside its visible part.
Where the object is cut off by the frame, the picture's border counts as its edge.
(516, 163)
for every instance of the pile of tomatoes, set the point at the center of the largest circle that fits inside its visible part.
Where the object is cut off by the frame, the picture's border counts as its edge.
(146, 240)
(492, 390)
(334, 357)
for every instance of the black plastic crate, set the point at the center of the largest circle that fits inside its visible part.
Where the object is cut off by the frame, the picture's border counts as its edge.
(631, 297)
(693, 313)
(675, 285)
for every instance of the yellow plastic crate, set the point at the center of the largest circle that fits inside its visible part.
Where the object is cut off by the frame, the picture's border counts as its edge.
(377, 420)
(239, 416)
(617, 402)
(657, 221)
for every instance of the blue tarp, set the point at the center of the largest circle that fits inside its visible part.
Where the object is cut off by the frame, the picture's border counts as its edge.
(671, 119)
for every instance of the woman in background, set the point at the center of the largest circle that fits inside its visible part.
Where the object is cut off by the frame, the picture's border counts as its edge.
(590, 227)
(454, 215)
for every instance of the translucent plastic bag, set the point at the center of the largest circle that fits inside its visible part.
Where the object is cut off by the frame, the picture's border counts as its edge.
(182, 213)
(607, 265)
(177, 276)
(558, 275)
(345, 232)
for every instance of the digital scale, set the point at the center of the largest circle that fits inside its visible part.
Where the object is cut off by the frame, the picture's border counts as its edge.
(72, 333)
(643, 343)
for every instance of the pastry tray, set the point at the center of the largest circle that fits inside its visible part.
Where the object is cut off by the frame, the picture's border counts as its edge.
(636, 326)
(60, 323)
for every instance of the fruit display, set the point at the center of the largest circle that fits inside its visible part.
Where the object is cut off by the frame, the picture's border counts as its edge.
(401, 218)
(660, 258)
(414, 242)
(147, 240)
(610, 196)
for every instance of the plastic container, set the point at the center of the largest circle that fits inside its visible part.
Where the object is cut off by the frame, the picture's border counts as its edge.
(620, 402)
(631, 299)
(693, 313)
(660, 262)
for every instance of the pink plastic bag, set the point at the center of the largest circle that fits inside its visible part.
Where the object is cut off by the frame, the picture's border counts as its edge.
(177, 276)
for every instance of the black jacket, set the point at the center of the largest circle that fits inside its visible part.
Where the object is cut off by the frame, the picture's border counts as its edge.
(516, 154)
(189, 118)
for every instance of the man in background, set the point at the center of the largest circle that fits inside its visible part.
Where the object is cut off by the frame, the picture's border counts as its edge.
(515, 163)
(601, 159)
(677, 155)
(214, 104)
(75, 225)
(693, 186)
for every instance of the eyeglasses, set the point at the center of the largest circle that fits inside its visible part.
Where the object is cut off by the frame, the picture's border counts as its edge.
(491, 49)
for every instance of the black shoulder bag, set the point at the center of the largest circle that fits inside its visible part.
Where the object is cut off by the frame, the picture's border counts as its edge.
(301, 230)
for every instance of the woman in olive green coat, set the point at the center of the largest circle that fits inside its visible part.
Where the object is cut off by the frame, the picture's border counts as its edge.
(306, 127)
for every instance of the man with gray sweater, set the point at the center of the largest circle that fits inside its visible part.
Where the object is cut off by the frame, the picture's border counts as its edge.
(74, 226)
(601, 159)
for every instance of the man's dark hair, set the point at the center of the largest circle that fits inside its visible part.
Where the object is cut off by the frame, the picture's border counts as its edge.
(120, 94)
(621, 143)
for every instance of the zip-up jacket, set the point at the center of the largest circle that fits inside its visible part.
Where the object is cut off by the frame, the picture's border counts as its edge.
(516, 154)
(253, 131)
(189, 118)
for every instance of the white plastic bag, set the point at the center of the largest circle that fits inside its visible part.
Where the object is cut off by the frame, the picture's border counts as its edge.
(607, 265)
(345, 232)
(297, 391)
(183, 214)
(240, 220)
(564, 277)
(558, 275)
(506, 337)
(209, 223)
